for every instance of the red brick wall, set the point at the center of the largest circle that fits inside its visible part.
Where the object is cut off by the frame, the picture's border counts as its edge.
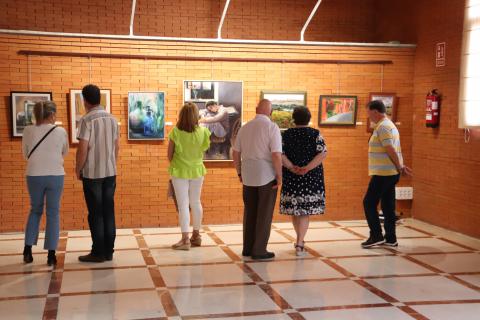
(91, 16)
(141, 194)
(447, 170)
(336, 20)
(178, 18)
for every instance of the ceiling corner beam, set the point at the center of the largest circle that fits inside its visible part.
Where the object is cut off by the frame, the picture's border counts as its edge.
(132, 16)
(225, 8)
(302, 33)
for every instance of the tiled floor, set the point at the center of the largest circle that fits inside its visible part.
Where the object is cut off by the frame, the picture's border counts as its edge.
(433, 274)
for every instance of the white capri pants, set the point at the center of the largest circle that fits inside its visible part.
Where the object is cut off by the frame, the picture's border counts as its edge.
(187, 193)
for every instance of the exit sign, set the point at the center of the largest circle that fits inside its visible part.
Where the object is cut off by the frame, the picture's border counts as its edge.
(440, 54)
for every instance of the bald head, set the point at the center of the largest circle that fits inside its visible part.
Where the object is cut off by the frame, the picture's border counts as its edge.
(264, 107)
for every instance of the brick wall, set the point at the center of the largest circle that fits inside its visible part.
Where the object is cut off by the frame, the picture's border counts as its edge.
(336, 20)
(91, 16)
(141, 194)
(447, 170)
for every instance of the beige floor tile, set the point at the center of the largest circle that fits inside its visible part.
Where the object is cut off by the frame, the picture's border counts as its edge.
(24, 284)
(390, 313)
(325, 293)
(160, 230)
(203, 275)
(281, 250)
(86, 233)
(16, 246)
(100, 280)
(79, 233)
(121, 258)
(85, 243)
(236, 237)
(344, 248)
(166, 240)
(233, 299)
(401, 231)
(313, 224)
(381, 266)
(125, 305)
(429, 288)
(451, 235)
(294, 270)
(27, 309)
(472, 279)
(466, 311)
(226, 227)
(13, 236)
(453, 262)
(325, 234)
(426, 245)
(352, 223)
(264, 317)
(192, 256)
(14, 263)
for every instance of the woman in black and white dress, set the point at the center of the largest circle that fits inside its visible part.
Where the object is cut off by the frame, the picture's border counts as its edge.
(303, 189)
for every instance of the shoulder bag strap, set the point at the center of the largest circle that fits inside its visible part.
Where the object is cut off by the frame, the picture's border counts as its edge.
(39, 142)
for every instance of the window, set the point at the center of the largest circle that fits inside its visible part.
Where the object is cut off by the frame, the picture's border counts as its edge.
(469, 104)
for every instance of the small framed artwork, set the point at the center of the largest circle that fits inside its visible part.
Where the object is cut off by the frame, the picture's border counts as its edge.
(146, 115)
(390, 101)
(77, 109)
(22, 104)
(337, 110)
(283, 103)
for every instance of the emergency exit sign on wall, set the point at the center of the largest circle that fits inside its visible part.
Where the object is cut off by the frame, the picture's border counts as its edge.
(440, 54)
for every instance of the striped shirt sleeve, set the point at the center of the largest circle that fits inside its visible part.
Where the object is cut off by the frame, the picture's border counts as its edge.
(84, 130)
(385, 136)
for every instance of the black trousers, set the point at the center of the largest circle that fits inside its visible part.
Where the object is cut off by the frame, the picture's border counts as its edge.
(99, 195)
(259, 203)
(381, 189)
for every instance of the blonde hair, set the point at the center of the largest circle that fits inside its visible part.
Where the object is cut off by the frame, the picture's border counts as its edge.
(188, 117)
(43, 110)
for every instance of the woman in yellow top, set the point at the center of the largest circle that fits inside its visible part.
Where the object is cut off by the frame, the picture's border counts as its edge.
(187, 144)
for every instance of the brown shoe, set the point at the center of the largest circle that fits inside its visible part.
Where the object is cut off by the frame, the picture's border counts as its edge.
(196, 241)
(181, 245)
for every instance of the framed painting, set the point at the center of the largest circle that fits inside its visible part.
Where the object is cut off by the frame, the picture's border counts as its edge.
(336, 110)
(390, 100)
(77, 109)
(223, 118)
(283, 103)
(146, 115)
(22, 103)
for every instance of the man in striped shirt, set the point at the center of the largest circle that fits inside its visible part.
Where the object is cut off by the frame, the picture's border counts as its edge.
(96, 167)
(385, 165)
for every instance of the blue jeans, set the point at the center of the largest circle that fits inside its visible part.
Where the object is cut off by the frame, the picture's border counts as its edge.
(39, 188)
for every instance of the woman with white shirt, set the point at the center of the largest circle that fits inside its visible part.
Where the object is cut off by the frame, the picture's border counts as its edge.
(44, 145)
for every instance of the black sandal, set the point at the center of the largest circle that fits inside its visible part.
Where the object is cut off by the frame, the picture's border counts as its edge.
(302, 251)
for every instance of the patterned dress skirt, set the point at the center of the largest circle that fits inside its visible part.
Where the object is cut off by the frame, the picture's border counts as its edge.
(303, 195)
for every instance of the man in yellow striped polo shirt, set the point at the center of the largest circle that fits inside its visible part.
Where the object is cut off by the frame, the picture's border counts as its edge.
(385, 165)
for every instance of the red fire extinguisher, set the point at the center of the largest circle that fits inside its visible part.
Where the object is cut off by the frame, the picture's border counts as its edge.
(433, 109)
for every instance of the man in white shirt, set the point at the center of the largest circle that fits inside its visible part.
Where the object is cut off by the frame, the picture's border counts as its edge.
(257, 155)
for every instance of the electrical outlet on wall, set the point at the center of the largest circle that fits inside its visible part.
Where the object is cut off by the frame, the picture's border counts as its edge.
(404, 193)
